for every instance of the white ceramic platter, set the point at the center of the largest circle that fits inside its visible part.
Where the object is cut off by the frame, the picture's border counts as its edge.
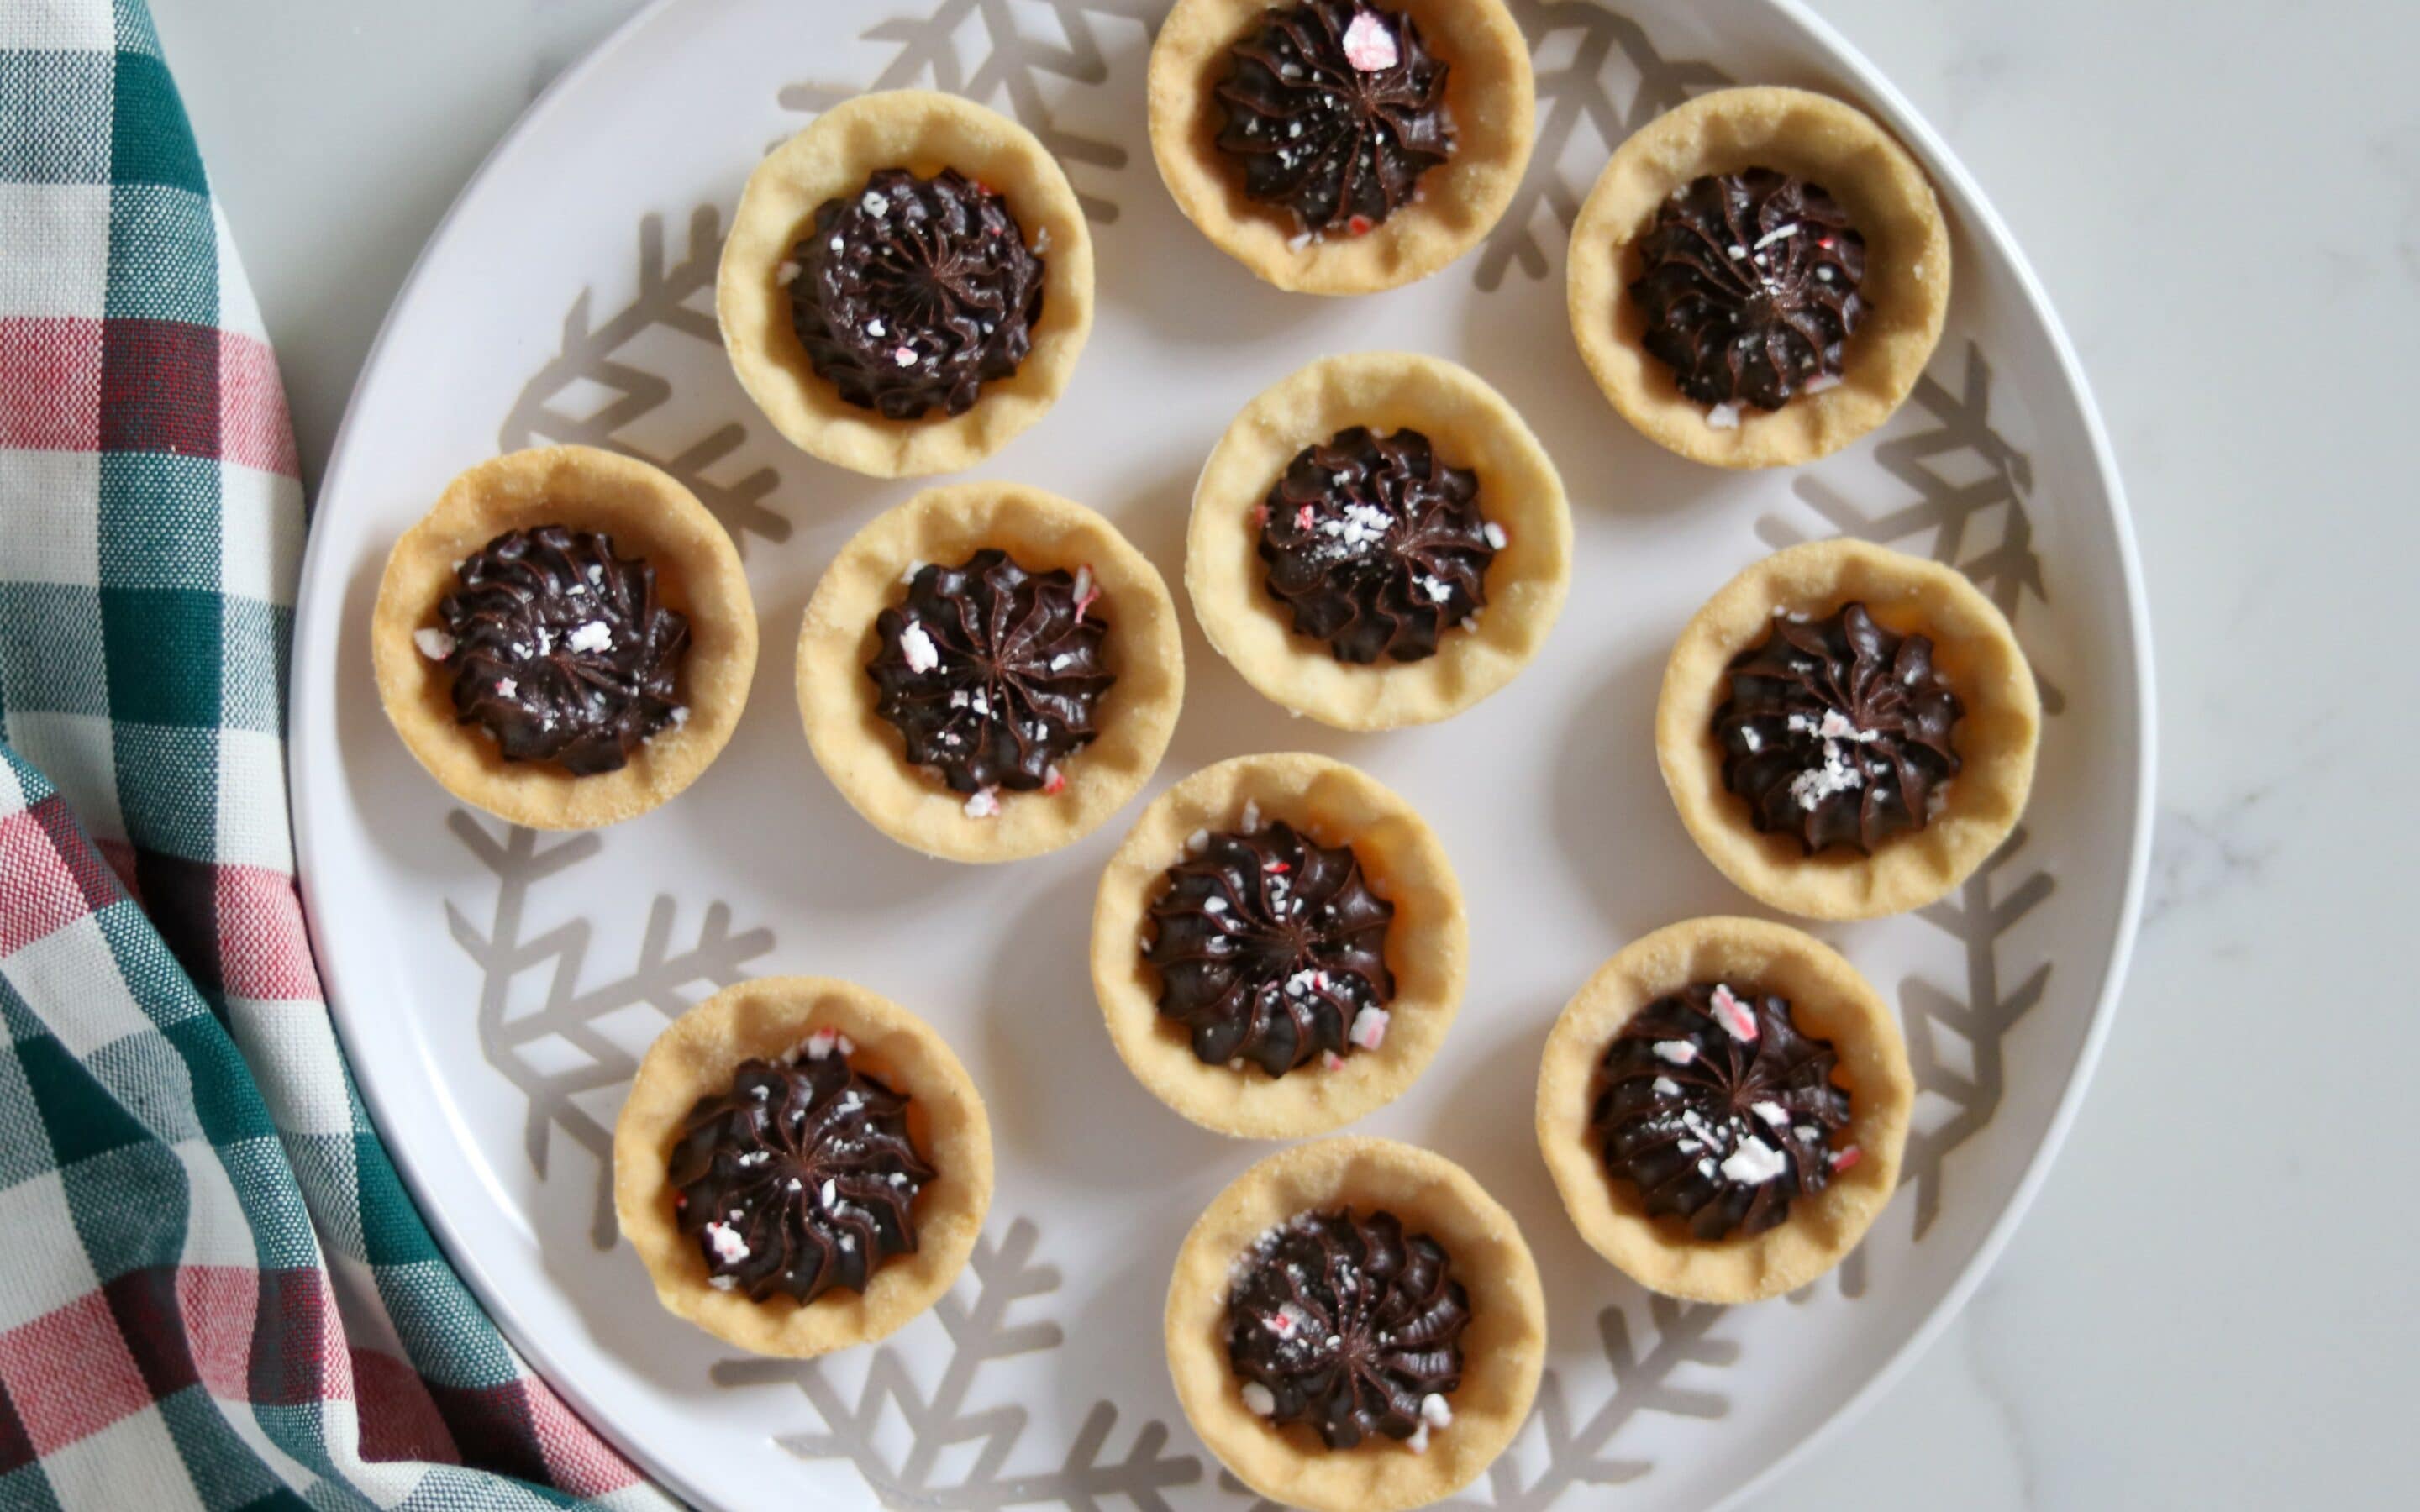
(494, 986)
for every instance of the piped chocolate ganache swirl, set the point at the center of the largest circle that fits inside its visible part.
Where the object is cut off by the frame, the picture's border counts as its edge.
(561, 649)
(1750, 287)
(1271, 949)
(993, 674)
(800, 1177)
(1343, 1322)
(1334, 109)
(1719, 1111)
(1377, 546)
(1837, 731)
(914, 292)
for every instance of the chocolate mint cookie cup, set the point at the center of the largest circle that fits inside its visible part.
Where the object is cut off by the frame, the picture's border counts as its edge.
(802, 1165)
(987, 670)
(906, 284)
(1278, 946)
(1723, 1107)
(1378, 540)
(1341, 146)
(1848, 731)
(1759, 277)
(565, 639)
(1393, 1376)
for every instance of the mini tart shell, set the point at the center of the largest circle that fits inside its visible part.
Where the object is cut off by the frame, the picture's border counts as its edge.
(1828, 1000)
(696, 1057)
(1977, 655)
(1503, 1349)
(863, 752)
(648, 515)
(925, 132)
(1427, 945)
(1472, 427)
(1489, 91)
(1887, 197)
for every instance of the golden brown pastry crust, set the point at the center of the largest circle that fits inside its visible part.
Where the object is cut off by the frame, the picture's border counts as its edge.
(1828, 1000)
(696, 1057)
(1488, 90)
(1887, 197)
(647, 514)
(925, 132)
(1427, 943)
(1503, 1350)
(1472, 427)
(1977, 655)
(863, 754)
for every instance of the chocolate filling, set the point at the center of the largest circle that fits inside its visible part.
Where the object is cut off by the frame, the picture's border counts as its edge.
(1335, 109)
(799, 1179)
(1271, 949)
(559, 649)
(1345, 1323)
(993, 674)
(1376, 545)
(1749, 286)
(1837, 731)
(1719, 1111)
(914, 293)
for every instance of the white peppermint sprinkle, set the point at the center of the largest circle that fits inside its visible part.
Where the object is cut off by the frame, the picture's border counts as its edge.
(904, 356)
(1821, 382)
(1252, 817)
(917, 644)
(1496, 536)
(1738, 250)
(1723, 417)
(1259, 1400)
(820, 1044)
(1837, 726)
(1061, 662)
(872, 203)
(1436, 588)
(593, 635)
(1198, 841)
(1772, 1112)
(786, 275)
(507, 687)
(434, 643)
(830, 1192)
(1667, 1086)
(1214, 905)
(876, 328)
(1679, 1052)
(913, 568)
(1754, 1162)
(1042, 241)
(1815, 784)
(982, 803)
(1368, 1028)
(1823, 273)
(1083, 583)
(1369, 46)
(838, 246)
(1779, 233)
(678, 715)
(1302, 983)
(1734, 1015)
(1437, 1411)
(723, 1283)
(728, 1246)
(1298, 241)
(1418, 1442)
(1706, 1168)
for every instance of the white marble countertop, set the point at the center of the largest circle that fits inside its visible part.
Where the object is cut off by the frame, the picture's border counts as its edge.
(2204, 1307)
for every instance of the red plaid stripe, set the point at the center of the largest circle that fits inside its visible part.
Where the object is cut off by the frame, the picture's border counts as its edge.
(264, 952)
(48, 879)
(253, 430)
(397, 1419)
(159, 388)
(70, 1373)
(50, 383)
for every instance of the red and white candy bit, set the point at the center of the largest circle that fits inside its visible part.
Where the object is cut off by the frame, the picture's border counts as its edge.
(1360, 225)
(1277, 868)
(1734, 1015)
(1054, 781)
(982, 803)
(821, 1043)
(1369, 46)
(1303, 517)
(1261, 514)
(1330, 1061)
(1844, 1159)
(1369, 1028)
(1086, 591)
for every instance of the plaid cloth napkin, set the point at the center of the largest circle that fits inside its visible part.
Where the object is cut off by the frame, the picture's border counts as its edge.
(214, 1291)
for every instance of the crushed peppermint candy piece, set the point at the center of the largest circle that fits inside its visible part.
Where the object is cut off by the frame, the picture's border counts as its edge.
(1779, 233)
(1252, 817)
(593, 635)
(1496, 536)
(786, 273)
(904, 355)
(1259, 1400)
(1820, 381)
(1369, 45)
(982, 803)
(1437, 1411)
(916, 643)
(1772, 1112)
(729, 1247)
(873, 203)
(822, 1043)
(1418, 1442)
(1198, 841)
(1844, 1158)
(1330, 1061)
(434, 643)
(1054, 781)
(507, 687)
(1754, 1162)
(1737, 1019)
(1086, 591)
(1723, 416)
(1679, 1052)
(1368, 1028)
(1665, 1087)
